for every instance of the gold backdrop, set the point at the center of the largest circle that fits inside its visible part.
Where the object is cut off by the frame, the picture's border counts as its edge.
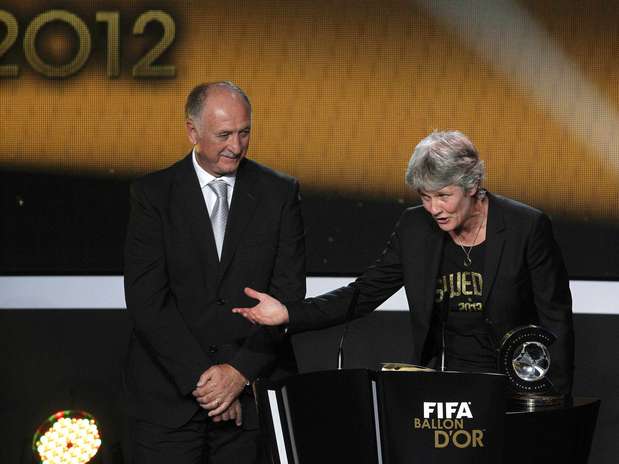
(342, 92)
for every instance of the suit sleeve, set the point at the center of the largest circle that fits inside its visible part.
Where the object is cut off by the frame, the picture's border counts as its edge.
(151, 305)
(375, 285)
(287, 283)
(553, 300)
(288, 278)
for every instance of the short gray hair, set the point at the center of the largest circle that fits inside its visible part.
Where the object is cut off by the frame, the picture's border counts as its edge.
(196, 98)
(442, 159)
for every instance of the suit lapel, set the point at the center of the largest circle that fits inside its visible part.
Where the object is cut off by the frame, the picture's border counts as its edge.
(433, 253)
(495, 240)
(189, 199)
(428, 264)
(242, 210)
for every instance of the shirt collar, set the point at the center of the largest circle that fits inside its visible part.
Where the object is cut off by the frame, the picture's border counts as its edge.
(204, 178)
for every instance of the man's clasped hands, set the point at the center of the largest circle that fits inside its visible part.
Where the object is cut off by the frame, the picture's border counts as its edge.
(218, 391)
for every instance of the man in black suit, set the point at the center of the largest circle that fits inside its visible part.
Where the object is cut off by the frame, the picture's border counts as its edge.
(199, 232)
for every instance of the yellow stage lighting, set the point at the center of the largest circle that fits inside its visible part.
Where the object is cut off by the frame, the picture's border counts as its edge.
(67, 437)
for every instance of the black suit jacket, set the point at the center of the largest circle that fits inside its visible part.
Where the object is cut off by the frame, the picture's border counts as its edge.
(525, 282)
(179, 295)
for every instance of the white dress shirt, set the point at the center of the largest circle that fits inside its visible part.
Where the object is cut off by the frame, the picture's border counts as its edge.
(204, 178)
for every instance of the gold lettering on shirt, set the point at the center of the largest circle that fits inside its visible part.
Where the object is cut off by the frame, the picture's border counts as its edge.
(441, 288)
(454, 290)
(478, 283)
(465, 283)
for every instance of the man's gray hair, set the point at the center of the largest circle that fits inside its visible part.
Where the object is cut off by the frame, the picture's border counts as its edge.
(442, 159)
(196, 98)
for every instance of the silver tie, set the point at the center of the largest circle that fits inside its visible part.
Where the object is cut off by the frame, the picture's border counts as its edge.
(219, 215)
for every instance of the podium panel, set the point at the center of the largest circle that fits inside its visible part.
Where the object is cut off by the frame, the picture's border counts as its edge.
(321, 417)
(442, 417)
(363, 416)
(554, 435)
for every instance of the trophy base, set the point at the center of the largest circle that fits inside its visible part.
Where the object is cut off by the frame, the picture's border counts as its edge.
(535, 402)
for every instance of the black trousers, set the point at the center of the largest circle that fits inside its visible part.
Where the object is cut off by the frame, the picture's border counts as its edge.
(199, 441)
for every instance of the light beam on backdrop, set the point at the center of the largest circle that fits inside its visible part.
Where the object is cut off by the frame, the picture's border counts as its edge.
(512, 40)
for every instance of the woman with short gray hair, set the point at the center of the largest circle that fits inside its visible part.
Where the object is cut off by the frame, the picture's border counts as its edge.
(474, 266)
(445, 158)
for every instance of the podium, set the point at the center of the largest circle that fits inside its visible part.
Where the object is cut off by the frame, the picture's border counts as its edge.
(363, 416)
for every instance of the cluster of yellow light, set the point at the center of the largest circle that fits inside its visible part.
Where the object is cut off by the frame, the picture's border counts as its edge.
(69, 441)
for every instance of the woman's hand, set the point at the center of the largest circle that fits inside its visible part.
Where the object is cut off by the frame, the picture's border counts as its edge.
(269, 311)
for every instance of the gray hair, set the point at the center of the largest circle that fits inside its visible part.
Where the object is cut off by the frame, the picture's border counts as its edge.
(442, 159)
(196, 98)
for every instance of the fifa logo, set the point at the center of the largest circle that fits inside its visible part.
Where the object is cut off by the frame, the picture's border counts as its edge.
(446, 419)
(447, 410)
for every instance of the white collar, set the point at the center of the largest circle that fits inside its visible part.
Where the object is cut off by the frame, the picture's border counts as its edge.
(204, 178)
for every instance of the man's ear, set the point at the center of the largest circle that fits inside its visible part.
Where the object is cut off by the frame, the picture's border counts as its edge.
(192, 132)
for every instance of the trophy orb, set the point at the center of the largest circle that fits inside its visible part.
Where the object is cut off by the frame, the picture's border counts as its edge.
(531, 361)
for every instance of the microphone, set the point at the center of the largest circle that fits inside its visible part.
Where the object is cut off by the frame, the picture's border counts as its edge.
(444, 315)
(349, 313)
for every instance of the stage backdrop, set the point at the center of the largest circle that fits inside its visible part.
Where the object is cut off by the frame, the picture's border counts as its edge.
(92, 94)
(342, 92)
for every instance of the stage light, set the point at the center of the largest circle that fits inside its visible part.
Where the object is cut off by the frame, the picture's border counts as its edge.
(67, 437)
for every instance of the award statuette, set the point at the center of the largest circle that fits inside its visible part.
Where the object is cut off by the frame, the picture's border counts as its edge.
(525, 359)
(403, 367)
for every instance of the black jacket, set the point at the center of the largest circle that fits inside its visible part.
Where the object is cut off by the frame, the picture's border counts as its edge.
(179, 296)
(525, 282)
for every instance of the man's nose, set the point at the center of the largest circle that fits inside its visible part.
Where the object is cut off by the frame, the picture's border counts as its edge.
(235, 144)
